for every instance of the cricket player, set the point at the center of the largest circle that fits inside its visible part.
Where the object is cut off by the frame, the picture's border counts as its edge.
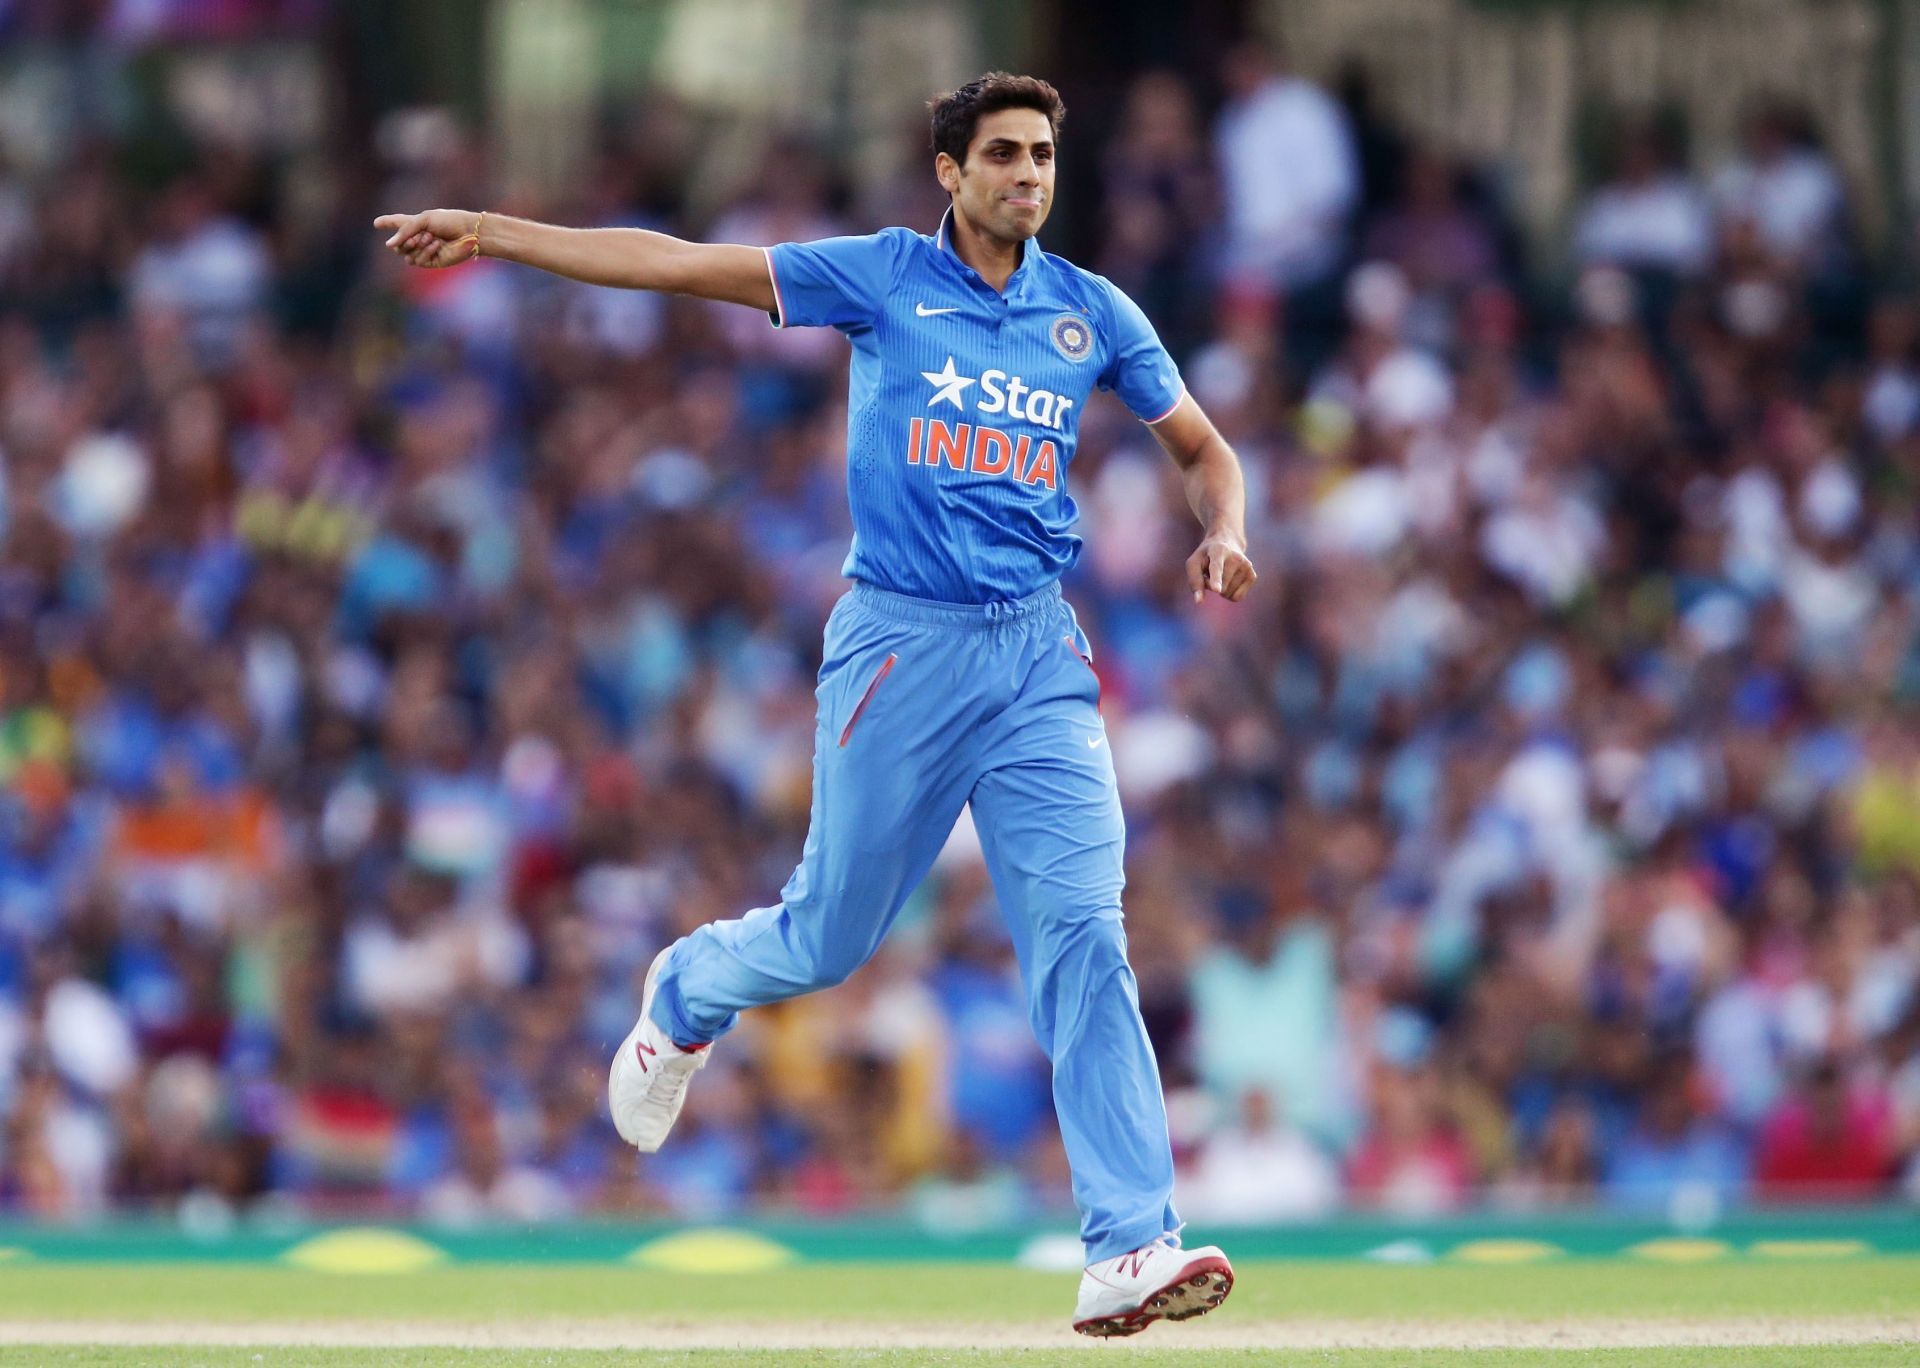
(953, 673)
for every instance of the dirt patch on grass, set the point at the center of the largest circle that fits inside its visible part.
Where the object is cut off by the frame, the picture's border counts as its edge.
(1225, 1333)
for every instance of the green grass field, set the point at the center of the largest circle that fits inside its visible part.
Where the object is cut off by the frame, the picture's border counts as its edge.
(1279, 1291)
(1833, 1356)
(1572, 1312)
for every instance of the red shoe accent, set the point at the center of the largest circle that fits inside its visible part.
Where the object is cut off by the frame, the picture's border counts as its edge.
(1201, 1286)
(641, 1049)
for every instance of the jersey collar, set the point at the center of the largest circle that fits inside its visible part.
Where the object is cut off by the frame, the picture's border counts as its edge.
(1017, 282)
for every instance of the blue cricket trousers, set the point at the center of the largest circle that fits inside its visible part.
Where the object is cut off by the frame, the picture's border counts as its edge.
(924, 707)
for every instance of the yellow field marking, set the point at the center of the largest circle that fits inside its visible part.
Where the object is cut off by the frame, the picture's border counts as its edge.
(1809, 1249)
(1505, 1251)
(712, 1250)
(365, 1249)
(1678, 1250)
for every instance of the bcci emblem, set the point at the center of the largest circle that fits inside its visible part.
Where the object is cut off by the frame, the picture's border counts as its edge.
(1072, 338)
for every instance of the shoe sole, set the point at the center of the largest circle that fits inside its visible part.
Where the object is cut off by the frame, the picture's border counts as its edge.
(625, 1052)
(1201, 1286)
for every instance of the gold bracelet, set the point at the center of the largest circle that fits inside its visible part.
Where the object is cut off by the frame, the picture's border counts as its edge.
(473, 237)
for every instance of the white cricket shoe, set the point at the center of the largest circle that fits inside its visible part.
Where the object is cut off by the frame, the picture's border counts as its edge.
(1123, 1296)
(647, 1085)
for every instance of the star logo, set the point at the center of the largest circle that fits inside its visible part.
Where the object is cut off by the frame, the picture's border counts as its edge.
(947, 384)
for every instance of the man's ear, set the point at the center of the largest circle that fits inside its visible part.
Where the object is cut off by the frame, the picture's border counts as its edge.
(947, 171)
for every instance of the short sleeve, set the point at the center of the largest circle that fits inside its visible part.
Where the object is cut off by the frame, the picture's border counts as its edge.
(1139, 369)
(836, 282)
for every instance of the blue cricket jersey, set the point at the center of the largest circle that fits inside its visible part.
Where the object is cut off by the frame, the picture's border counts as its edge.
(964, 403)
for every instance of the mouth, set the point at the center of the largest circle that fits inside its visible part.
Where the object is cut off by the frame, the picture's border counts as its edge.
(1023, 203)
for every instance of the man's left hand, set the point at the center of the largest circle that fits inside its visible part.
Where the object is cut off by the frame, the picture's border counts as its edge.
(1220, 563)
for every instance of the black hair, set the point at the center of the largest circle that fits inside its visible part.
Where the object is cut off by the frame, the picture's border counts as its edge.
(957, 116)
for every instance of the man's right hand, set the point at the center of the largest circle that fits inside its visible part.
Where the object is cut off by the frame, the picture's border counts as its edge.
(437, 238)
(625, 258)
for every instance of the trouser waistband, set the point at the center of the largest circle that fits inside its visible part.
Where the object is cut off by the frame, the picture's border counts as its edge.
(908, 609)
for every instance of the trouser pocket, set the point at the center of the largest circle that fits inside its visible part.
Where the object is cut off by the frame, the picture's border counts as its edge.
(1080, 656)
(886, 668)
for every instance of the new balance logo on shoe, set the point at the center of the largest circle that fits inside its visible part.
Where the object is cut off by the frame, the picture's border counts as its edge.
(640, 1052)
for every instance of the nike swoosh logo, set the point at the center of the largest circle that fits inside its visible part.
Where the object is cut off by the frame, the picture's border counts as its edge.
(925, 312)
(1096, 742)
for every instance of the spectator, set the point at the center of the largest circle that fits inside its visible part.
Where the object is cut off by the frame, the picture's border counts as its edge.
(207, 266)
(999, 1091)
(1785, 188)
(1648, 214)
(1411, 1163)
(1563, 1169)
(1259, 1170)
(1675, 1160)
(1160, 199)
(1442, 244)
(1890, 393)
(1826, 1142)
(1265, 1013)
(1288, 172)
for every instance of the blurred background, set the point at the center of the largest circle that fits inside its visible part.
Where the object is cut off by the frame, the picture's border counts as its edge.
(390, 663)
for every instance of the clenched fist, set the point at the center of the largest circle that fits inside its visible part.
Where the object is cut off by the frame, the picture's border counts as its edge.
(1220, 563)
(437, 238)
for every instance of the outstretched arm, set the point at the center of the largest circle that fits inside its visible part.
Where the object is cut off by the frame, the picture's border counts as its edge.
(631, 258)
(1218, 495)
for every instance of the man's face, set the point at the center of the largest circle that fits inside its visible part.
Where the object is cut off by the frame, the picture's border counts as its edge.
(1005, 187)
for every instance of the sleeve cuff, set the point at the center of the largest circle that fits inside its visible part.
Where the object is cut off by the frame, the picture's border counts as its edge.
(779, 315)
(1169, 410)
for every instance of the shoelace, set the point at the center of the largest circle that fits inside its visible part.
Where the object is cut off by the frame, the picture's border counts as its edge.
(673, 1083)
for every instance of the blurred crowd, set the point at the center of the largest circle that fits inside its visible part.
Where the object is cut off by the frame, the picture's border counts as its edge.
(391, 662)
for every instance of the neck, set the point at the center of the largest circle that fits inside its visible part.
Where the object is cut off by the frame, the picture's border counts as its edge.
(994, 258)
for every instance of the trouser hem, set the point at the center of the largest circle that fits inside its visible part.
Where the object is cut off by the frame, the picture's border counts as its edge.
(1124, 1241)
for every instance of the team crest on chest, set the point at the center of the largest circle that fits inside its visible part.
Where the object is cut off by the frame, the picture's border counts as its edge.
(1072, 337)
